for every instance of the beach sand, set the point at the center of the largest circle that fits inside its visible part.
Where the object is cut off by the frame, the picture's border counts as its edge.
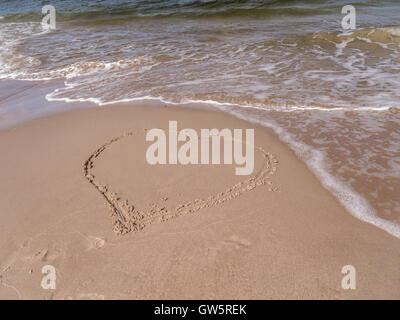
(77, 193)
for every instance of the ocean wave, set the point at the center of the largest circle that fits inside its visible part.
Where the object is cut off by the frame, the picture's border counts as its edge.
(382, 35)
(115, 10)
(61, 95)
(84, 68)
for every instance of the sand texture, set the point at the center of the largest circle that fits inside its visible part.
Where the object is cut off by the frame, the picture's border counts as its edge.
(77, 193)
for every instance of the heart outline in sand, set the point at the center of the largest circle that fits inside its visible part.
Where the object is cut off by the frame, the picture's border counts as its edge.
(127, 219)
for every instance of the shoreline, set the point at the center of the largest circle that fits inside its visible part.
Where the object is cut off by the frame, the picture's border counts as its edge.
(354, 203)
(287, 239)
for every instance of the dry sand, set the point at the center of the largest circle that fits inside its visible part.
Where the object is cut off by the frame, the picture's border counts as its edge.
(75, 187)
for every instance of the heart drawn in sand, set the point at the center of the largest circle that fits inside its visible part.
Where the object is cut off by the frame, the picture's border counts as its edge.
(128, 219)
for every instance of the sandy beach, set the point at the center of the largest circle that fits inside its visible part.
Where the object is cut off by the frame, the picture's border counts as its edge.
(205, 233)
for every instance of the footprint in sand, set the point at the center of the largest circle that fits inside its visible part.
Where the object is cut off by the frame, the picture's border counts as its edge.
(95, 242)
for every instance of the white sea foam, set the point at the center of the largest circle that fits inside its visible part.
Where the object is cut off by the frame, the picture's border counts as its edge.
(281, 108)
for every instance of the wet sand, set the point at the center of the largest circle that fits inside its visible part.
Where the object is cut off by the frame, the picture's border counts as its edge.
(73, 185)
